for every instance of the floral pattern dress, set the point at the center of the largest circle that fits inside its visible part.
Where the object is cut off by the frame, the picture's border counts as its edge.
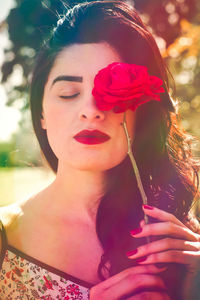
(24, 277)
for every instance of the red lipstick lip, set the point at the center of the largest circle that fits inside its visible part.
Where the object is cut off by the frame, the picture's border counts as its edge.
(91, 137)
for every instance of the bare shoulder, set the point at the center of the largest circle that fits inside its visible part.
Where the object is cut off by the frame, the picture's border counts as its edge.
(9, 212)
(8, 215)
(22, 219)
(16, 216)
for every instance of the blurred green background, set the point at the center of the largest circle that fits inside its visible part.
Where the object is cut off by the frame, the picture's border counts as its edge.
(23, 26)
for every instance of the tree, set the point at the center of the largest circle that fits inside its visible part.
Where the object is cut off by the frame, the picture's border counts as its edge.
(29, 22)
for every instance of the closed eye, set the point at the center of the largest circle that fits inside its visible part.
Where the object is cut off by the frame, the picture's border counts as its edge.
(69, 97)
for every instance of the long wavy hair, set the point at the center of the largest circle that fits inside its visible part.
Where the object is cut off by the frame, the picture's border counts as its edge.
(161, 149)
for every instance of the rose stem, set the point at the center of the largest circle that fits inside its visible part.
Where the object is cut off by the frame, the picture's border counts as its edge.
(137, 173)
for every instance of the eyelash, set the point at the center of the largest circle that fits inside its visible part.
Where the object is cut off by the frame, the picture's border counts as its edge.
(69, 97)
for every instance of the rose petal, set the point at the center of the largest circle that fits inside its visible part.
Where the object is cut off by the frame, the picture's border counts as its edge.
(122, 86)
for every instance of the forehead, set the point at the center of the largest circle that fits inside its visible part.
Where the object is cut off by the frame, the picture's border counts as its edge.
(84, 59)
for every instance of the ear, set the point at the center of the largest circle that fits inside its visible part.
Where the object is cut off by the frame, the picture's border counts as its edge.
(43, 122)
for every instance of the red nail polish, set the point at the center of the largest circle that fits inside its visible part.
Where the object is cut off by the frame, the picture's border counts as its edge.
(141, 259)
(136, 231)
(129, 253)
(147, 206)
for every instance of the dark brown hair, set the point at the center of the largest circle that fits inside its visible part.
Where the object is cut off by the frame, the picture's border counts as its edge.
(161, 150)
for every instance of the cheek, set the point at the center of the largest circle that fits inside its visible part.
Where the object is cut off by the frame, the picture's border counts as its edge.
(120, 145)
(130, 124)
(57, 127)
(55, 115)
(53, 120)
(130, 121)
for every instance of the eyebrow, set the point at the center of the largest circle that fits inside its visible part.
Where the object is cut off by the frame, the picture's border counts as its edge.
(67, 78)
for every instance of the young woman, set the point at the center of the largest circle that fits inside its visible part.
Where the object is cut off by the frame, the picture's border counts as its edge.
(71, 240)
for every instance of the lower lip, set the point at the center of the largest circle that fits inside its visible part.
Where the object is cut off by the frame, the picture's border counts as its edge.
(91, 140)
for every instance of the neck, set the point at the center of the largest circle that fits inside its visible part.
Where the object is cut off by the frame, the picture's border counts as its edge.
(77, 193)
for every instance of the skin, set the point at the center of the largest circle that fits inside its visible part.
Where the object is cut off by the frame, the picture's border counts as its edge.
(79, 164)
(63, 118)
(85, 165)
(129, 281)
(181, 245)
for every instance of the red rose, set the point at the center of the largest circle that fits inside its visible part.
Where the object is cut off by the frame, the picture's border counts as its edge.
(122, 86)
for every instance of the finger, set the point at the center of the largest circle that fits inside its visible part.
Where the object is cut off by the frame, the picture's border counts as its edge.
(165, 228)
(148, 269)
(163, 245)
(142, 223)
(161, 215)
(133, 284)
(173, 256)
(150, 295)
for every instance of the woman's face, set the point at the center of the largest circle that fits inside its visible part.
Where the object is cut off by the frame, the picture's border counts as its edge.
(73, 74)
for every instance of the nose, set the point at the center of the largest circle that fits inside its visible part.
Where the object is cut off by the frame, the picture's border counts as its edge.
(89, 110)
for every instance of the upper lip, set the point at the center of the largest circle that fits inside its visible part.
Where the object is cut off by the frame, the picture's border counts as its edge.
(92, 133)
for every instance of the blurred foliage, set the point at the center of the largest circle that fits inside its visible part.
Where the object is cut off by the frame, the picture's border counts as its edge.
(5, 154)
(17, 184)
(183, 57)
(24, 153)
(174, 23)
(30, 21)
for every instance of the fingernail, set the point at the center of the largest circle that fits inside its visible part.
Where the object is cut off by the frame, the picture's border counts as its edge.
(129, 253)
(141, 259)
(135, 231)
(147, 206)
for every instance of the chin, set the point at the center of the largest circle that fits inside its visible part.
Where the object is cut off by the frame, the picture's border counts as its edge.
(96, 165)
